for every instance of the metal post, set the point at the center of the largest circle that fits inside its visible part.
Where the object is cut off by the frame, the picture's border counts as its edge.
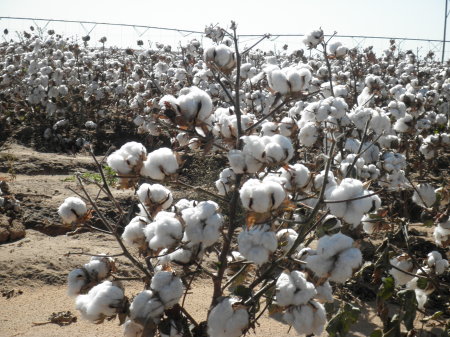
(445, 30)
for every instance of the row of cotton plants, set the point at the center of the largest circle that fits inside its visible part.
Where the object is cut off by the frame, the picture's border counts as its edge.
(325, 154)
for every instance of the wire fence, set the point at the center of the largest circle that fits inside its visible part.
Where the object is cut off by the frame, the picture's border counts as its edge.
(126, 36)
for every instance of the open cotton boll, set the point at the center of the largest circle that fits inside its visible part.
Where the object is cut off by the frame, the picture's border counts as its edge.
(146, 304)
(168, 286)
(227, 319)
(424, 195)
(102, 300)
(277, 149)
(319, 179)
(313, 39)
(297, 176)
(164, 232)
(308, 134)
(128, 158)
(222, 56)
(403, 124)
(76, 280)
(263, 196)
(348, 261)
(155, 195)
(286, 238)
(293, 289)
(72, 210)
(257, 243)
(133, 234)
(436, 261)
(202, 223)
(324, 292)
(330, 245)
(337, 49)
(160, 163)
(194, 104)
(402, 262)
(243, 162)
(306, 319)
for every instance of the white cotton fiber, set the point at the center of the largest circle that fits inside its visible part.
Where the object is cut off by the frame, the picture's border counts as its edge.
(72, 210)
(257, 243)
(160, 163)
(226, 321)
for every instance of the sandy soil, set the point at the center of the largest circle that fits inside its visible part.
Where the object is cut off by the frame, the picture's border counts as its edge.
(33, 270)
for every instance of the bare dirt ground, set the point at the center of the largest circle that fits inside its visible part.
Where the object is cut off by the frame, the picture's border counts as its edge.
(33, 269)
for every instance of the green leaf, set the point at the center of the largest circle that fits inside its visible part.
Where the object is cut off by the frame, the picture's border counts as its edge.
(409, 307)
(422, 283)
(243, 292)
(386, 290)
(435, 316)
(377, 333)
(340, 324)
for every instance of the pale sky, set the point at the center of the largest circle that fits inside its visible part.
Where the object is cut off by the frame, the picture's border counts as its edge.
(402, 18)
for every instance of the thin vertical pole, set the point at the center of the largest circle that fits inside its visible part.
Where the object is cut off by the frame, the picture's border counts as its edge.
(445, 30)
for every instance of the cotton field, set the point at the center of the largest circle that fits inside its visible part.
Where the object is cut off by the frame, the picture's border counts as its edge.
(332, 155)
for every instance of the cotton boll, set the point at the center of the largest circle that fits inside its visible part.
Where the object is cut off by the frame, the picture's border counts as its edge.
(424, 195)
(330, 245)
(128, 158)
(164, 232)
(260, 196)
(277, 149)
(324, 292)
(76, 280)
(313, 39)
(72, 210)
(348, 261)
(297, 176)
(293, 289)
(168, 286)
(133, 234)
(403, 124)
(286, 238)
(306, 319)
(146, 304)
(257, 243)
(194, 104)
(308, 134)
(155, 195)
(227, 319)
(102, 300)
(436, 261)
(402, 262)
(319, 179)
(160, 163)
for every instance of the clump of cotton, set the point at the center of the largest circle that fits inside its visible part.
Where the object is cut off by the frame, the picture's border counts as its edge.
(184, 255)
(293, 289)
(352, 211)
(168, 287)
(146, 305)
(164, 232)
(227, 319)
(132, 329)
(160, 164)
(128, 159)
(424, 195)
(442, 231)
(308, 134)
(286, 238)
(437, 264)
(225, 182)
(404, 124)
(202, 223)
(155, 197)
(297, 176)
(288, 80)
(335, 258)
(403, 264)
(324, 292)
(306, 319)
(103, 300)
(257, 243)
(244, 162)
(73, 210)
(222, 56)
(393, 161)
(313, 39)
(133, 234)
(337, 49)
(96, 270)
(262, 196)
(271, 150)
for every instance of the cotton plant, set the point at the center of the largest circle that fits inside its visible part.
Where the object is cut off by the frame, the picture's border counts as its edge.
(297, 176)
(262, 196)
(128, 162)
(154, 197)
(221, 56)
(160, 164)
